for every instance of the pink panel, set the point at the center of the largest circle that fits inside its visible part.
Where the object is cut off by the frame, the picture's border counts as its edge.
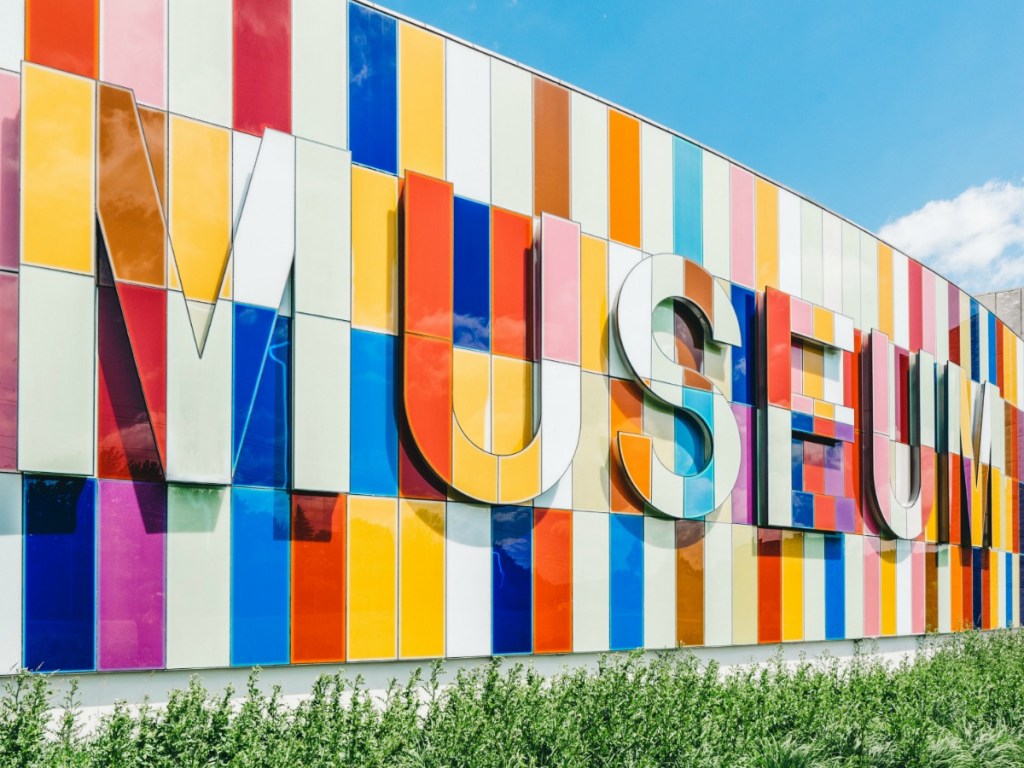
(802, 317)
(880, 474)
(802, 403)
(880, 381)
(133, 525)
(796, 369)
(742, 184)
(743, 491)
(10, 166)
(917, 554)
(928, 310)
(8, 370)
(134, 47)
(872, 560)
(560, 284)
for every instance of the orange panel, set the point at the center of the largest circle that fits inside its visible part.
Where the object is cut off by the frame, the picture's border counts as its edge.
(627, 409)
(636, 459)
(63, 34)
(318, 578)
(885, 298)
(552, 584)
(550, 149)
(690, 582)
(512, 284)
(624, 178)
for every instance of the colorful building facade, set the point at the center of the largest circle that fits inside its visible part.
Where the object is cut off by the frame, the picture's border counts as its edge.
(326, 338)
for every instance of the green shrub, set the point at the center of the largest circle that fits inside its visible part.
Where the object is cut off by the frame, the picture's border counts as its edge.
(958, 704)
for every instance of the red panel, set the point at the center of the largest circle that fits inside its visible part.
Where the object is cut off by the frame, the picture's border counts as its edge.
(552, 585)
(814, 467)
(415, 478)
(825, 513)
(263, 69)
(690, 582)
(63, 34)
(916, 306)
(902, 405)
(428, 209)
(318, 578)
(955, 477)
(777, 374)
(769, 586)
(145, 316)
(8, 370)
(428, 402)
(954, 324)
(512, 331)
(127, 448)
(627, 407)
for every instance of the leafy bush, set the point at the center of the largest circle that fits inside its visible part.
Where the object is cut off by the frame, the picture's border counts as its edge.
(958, 704)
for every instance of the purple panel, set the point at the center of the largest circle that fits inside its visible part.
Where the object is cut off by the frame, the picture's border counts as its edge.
(8, 370)
(835, 480)
(844, 432)
(743, 491)
(10, 165)
(846, 514)
(133, 525)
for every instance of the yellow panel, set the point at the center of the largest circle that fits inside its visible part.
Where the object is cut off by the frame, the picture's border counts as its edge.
(594, 304)
(200, 205)
(58, 170)
(824, 325)
(474, 471)
(824, 410)
(471, 395)
(172, 273)
(978, 505)
(885, 306)
(814, 371)
(767, 234)
(372, 536)
(931, 527)
(519, 475)
(744, 584)
(792, 585)
(887, 579)
(512, 417)
(374, 250)
(421, 101)
(421, 570)
(590, 463)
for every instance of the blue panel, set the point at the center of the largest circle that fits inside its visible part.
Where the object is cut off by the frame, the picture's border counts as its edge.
(976, 576)
(689, 444)
(993, 347)
(975, 372)
(372, 88)
(262, 450)
(1008, 589)
(60, 571)
(373, 446)
(260, 582)
(802, 422)
(803, 509)
(688, 211)
(835, 589)
(253, 329)
(626, 552)
(511, 579)
(472, 321)
(796, 451)
(744, 379)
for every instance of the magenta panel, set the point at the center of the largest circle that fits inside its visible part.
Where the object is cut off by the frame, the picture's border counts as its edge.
(263, 68)
(10, 166)
(742, 184)
(743, 493)
(134, 47)
(132, 532)
(8, 370)
(560, 260)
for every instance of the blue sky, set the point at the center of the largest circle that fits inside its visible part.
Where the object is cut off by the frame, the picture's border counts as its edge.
(874, 109)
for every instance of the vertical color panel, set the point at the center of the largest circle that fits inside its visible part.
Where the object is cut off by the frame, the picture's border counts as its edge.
(372, 583)
(659, 576)
(511, 137)
(742, 233)
(767, 233)
(511, 569)
(372, 88)
(318, 578)
(421, 579)
(374, 250)
(12, 34)
(744, 584)
(552, 585)
(467, 598)
(260, 576)
(135, 47)
(623, 178)
(60, 570)
(626, 539)
(834, 588)
(132, 532)
(853, 547)
(467, 123)
(10, 169)
(656, 171)
(320, 71)
(551, 149)
(471, 325)
(11, 574)
(511, 287)
(590, 579)
(63, 35)
(421, 100)
(811, 257)
(792, 585)
(374, 449)
(590, 464)
(690, 582)
(716, 226)
(200, 86)
(589, 166)
(688, 213)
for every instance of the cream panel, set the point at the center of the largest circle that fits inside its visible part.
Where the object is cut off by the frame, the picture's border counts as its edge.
(320, 71)
(511, 137)
(656, 189)
(868, 278)
(790, 255)
(853, 563)
(56, 372)
(810, 236)
(590, 464)
(832, 261)
(718, 584)
(659, 583)
(199, 60)
(814, 586)
(851, 272)
(589, 164)
(590, 575)
(716, 214)
(901, 307)
(468, 121)
(10, 571)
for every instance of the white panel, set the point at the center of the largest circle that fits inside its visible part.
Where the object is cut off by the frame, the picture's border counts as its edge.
(780, 469)
(810, 241)
(198, 577)
(868, 282)
(632, 326)
(1000, 618)
(12, 35)
(716, 214)
(320, 71)
(717, 583)
(904, 588)
(511, 137)
(56, 372)
(468, 121)
(853, 561)
(901, 301)
(198, 397)
(560, 383)
(199, 60)
(558, 496)
(656, 191)
(942, 329)
(265, 240)
(320, 404)
(831, 262)
(851, 272)
(323, 230)
(659, 583)
(790, 236)
(1015, 571)
(245, 148)
(467, 593)
(814, 586)
(943, 576)
(620, 260)
(590, 593)
(589, 164)
(10, 571)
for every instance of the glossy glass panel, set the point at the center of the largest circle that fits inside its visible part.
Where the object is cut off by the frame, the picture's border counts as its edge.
(262, 65)
(372, 88)
(318, 578)
(552, 584)
(511, 589)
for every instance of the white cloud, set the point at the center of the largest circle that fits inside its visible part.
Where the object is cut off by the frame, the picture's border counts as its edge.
(976, 239)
